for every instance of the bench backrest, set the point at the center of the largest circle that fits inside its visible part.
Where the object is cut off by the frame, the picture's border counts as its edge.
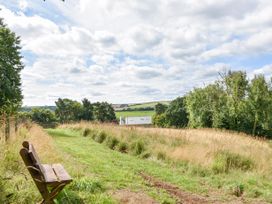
(34, 166)
(31, 159)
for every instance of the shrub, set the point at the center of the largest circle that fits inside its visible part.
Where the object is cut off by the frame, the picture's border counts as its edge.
(226, 161)
(86, 132)
(112, 142)
(161, 156)
(138, 147)
(100, 138)
(123, 147)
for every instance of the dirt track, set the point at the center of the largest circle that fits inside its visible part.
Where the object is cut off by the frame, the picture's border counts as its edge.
(181, 196)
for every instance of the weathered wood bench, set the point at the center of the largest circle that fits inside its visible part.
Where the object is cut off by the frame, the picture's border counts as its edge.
(49, 179)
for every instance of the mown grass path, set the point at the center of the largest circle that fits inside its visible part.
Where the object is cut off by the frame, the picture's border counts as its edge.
(116, 170)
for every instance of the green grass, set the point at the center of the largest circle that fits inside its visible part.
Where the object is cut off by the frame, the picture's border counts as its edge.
(113, 169)
(109, 170)
(148, 104)
(133, 113)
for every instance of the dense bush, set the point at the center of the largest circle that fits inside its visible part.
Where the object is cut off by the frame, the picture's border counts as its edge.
(44, 117)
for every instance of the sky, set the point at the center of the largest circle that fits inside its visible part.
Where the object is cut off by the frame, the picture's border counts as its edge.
(128, 51)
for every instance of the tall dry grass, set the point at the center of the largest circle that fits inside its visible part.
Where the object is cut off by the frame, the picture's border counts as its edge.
(197, 146)
(16, 185)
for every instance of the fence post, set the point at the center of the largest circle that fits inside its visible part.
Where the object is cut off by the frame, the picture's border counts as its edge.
(7, 128)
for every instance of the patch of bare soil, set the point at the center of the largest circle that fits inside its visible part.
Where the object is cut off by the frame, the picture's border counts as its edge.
(129, 197)
(181, 196)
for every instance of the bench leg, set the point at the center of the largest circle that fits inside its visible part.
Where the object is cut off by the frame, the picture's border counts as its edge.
(49, 198)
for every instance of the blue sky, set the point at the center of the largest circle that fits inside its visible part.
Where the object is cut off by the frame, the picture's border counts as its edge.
(135, 51)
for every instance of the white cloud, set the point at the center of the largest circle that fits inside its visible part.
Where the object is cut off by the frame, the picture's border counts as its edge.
(132, 51)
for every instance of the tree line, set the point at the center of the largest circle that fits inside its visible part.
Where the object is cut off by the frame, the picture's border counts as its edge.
(68, 110)
(233, 102)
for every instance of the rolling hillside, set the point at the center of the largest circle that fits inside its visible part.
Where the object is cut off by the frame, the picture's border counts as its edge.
(113, 164)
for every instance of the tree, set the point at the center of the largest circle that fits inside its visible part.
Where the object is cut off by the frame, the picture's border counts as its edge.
(198, 108)
(236, 86)
(43, 116)
(259, 101)
(68, 110)
(104, 112)
(159, 120)
(87, 112)
(10, 68)
(176, 114)
(160, 108)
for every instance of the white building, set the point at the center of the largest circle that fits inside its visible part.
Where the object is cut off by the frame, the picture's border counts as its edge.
(143, 120)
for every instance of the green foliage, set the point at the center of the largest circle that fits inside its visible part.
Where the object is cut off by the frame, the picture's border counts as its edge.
(138, 147)
(122, 147)
(44, 117)
(68, 110)
(86, 132)
(176, 115)
(112, 142)
(205, 106)
(238, 190)
(225, 161)
(259, 106)
(10, 68)
(87, 185)
(87, 111)
(68, 197)
(104, 112)
(233, 103)
(159, 120)
(101, 137)
(160, 108)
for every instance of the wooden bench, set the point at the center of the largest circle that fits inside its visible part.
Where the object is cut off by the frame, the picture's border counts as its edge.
(50, 179)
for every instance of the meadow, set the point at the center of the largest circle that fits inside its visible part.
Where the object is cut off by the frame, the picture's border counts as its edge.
(114, 164)
(133, 113)
(148, 104)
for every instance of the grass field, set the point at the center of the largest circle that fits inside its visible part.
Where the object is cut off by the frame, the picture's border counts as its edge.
(145, 164)
(133, 113)
(148, 104)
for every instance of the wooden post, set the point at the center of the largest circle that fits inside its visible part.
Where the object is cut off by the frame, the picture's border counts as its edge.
(7, 128)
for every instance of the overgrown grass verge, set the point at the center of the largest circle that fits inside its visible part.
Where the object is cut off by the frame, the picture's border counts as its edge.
(17, 186)
(230, 171)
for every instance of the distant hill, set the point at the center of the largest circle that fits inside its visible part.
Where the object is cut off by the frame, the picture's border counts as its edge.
(148, 104)
(138, 106)
(29, 108)
(117, 107)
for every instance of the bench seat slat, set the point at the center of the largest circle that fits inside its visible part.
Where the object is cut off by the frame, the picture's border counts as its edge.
(61, 173)
(49, 174)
